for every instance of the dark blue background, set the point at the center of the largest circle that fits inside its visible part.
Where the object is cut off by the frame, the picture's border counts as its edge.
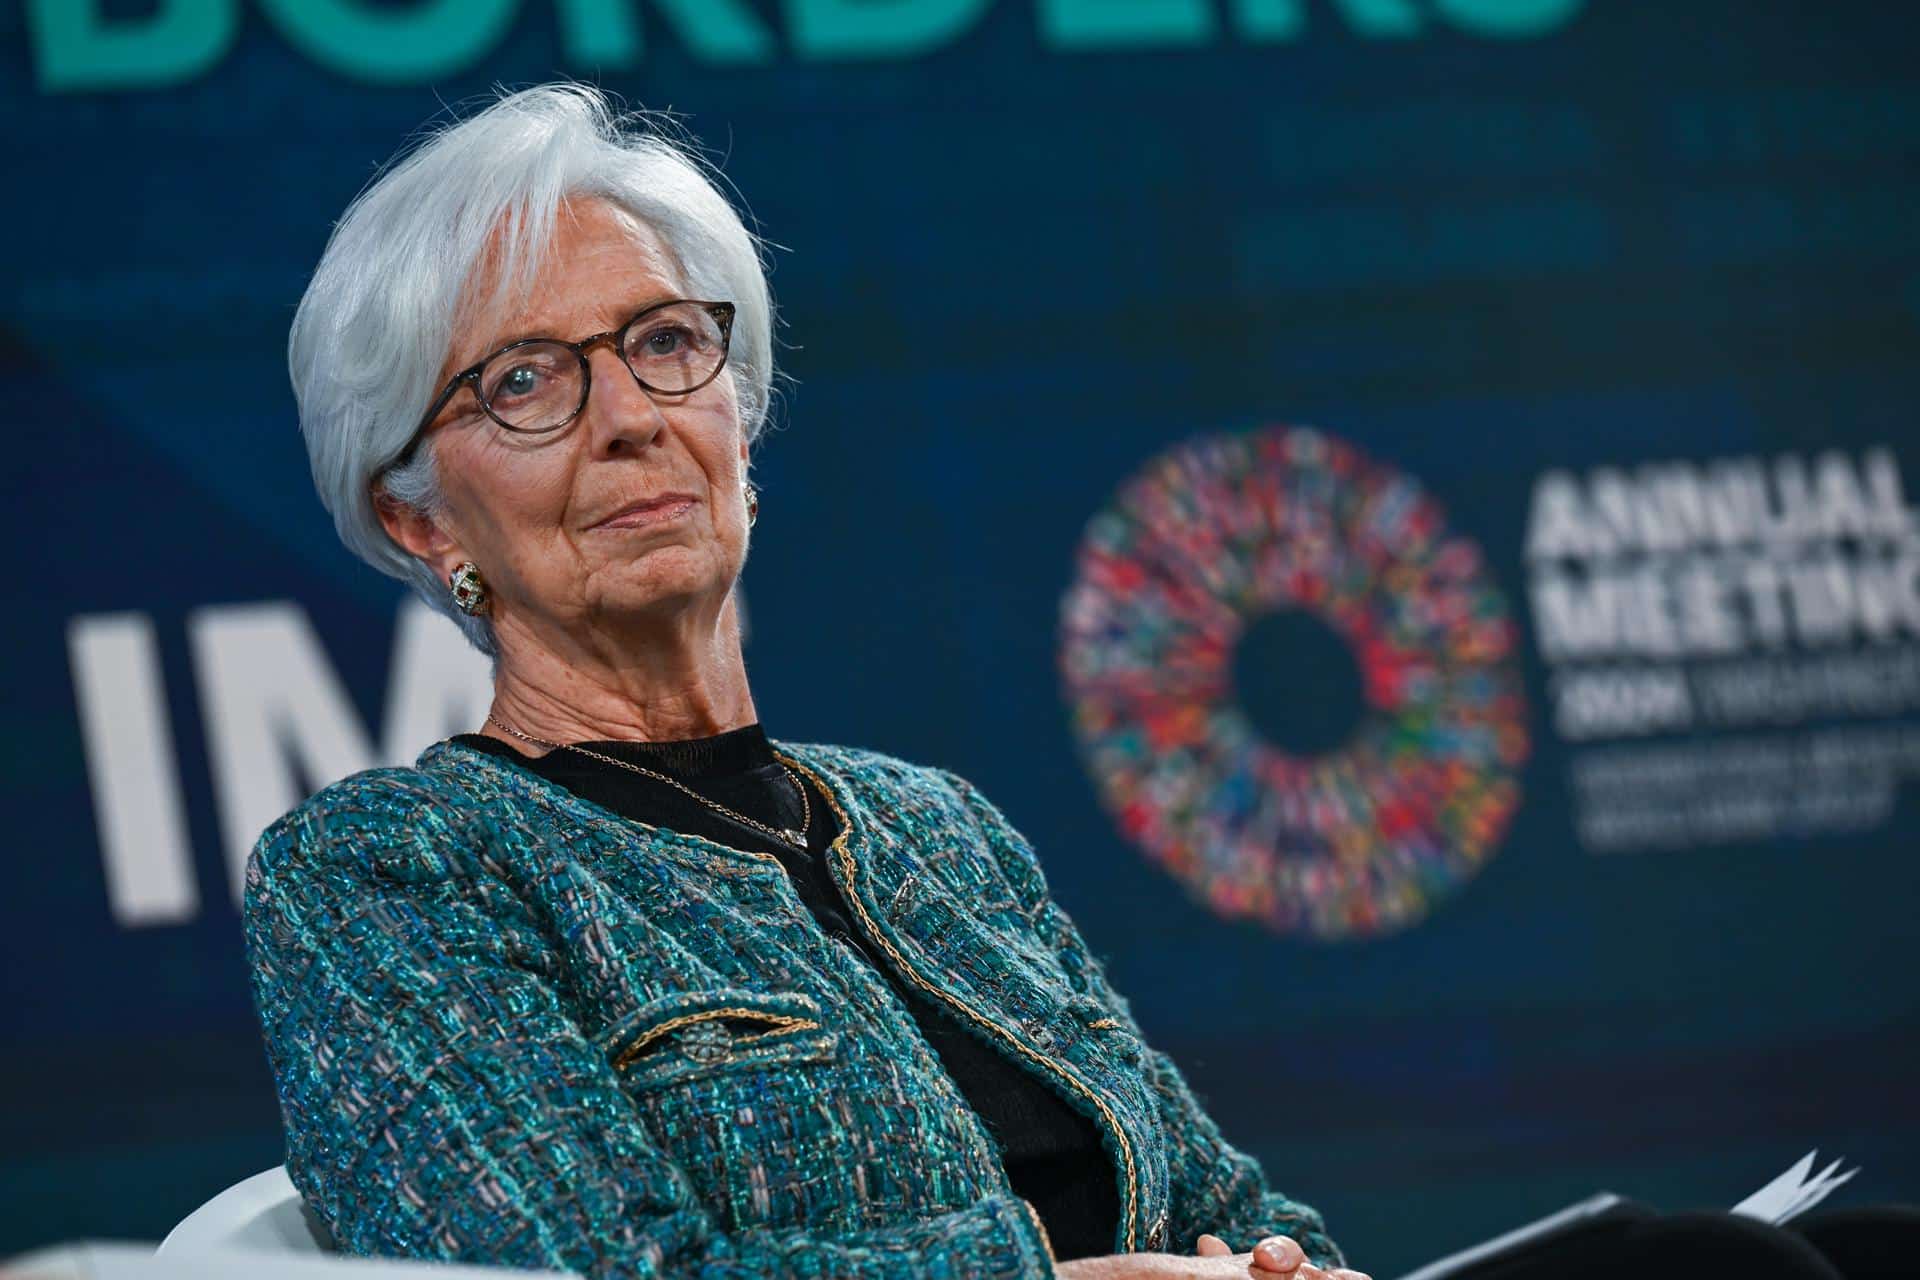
(1655, 231)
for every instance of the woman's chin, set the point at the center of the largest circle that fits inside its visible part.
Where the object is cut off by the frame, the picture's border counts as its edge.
(665, 596)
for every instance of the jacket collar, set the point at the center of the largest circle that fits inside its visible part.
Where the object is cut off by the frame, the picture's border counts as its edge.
(488, 778)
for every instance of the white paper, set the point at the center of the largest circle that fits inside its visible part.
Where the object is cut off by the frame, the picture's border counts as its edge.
(1792, 1193)
(1786, 1197)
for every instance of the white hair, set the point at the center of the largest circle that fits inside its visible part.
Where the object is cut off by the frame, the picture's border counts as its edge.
(377, 321)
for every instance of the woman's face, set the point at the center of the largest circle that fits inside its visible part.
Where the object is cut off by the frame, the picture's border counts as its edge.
(531, 511)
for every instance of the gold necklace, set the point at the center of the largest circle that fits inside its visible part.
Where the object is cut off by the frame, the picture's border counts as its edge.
(797, 839)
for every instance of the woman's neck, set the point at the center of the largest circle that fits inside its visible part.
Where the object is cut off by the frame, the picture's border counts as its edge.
(587, 689)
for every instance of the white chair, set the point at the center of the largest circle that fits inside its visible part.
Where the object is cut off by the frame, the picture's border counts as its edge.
(262, 1214)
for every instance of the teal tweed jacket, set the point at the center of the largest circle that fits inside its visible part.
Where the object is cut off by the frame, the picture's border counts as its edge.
(510, 1026)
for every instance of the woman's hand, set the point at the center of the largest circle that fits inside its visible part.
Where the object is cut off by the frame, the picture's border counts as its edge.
(1275, 1255)
(1274, 1258)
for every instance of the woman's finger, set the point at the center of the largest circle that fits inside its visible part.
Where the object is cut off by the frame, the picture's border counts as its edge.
(1278, 1253)
(1348, 1273)
(1211, 1246)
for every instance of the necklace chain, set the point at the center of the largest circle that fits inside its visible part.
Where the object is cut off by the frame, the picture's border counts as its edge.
(798, 839)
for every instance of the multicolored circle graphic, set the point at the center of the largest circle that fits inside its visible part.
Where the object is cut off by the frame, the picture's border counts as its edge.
(1218, 532)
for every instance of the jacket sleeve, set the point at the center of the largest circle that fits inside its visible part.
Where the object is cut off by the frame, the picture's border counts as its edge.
(1215, 1187)
(440, 1102)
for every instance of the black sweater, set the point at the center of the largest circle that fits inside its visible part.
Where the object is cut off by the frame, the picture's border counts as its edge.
(1052, 1152)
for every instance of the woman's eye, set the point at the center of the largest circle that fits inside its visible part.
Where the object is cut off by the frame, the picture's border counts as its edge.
(665, 342)
(522, 380)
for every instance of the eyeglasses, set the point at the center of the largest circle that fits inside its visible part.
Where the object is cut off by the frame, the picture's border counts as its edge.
(538, 385)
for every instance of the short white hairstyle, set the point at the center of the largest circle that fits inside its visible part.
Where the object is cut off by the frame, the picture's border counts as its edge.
(401, 268)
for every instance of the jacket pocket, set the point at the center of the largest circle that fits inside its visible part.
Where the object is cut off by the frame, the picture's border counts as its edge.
(699, 1033)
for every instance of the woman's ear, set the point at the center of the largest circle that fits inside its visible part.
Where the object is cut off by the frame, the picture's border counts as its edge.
(415, 532)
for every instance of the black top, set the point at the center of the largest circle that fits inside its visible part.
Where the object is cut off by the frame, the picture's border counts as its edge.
(1052, 1153)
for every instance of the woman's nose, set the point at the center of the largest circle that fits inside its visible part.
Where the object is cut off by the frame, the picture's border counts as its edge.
(619, 410)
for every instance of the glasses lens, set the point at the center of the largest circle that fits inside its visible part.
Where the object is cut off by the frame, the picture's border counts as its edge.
(535, 387)
(677, 348)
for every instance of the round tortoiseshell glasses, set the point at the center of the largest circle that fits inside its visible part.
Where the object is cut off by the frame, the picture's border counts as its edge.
(537, 385)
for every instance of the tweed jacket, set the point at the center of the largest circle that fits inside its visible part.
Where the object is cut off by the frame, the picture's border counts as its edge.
(510, 1026)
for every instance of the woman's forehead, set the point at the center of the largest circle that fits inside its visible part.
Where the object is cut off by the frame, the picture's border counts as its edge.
(600, 265)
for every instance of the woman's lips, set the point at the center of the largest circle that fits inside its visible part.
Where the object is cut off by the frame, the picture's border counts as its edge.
(659, 510)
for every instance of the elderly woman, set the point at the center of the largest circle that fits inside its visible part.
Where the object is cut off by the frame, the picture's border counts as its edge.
(619, 984)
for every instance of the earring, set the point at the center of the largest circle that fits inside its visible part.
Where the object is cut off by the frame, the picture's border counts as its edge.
(469, 592)
(753, 503)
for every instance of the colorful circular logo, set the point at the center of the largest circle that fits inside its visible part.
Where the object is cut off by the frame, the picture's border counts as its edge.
(1218, 533)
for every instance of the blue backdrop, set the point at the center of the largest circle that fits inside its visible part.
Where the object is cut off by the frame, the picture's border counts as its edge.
(1581, 700)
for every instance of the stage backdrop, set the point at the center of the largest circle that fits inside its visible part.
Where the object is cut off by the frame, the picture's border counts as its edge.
(1408, 503)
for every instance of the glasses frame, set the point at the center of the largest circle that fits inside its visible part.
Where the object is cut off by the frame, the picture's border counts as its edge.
(469, 377)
